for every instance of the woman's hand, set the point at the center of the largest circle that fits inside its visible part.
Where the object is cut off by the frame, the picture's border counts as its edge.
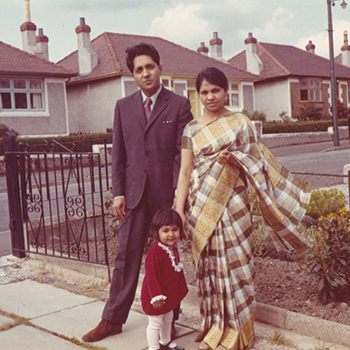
(225, 157)
(184, 222)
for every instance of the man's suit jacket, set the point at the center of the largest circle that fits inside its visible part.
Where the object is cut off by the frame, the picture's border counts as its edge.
(152, 150)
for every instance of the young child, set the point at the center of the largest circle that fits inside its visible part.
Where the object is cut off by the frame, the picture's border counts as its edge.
(164, 285)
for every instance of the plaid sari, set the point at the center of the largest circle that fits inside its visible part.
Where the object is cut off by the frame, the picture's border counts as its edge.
(220, 222)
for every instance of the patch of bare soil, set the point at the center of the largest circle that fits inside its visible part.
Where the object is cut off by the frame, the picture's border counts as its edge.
(283, 283)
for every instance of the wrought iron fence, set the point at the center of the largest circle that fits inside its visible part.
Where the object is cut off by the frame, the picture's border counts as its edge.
(56, 203)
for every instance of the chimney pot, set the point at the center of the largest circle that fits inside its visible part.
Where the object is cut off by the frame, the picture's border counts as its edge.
(202, 49)
(310, 47)
(250, 39)
(216, 40)
(41, 38)
(82, 27)
(346, 46)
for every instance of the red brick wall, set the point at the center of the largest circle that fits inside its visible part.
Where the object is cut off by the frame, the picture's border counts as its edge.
(296, 103)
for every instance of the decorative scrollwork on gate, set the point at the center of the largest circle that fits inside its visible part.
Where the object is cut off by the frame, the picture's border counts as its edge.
(34, 203)
(75, 207)
(77, 249)
(36, 244)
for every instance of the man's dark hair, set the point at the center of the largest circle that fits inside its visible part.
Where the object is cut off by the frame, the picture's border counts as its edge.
(213, 76)
(138, 50)
(166, 217)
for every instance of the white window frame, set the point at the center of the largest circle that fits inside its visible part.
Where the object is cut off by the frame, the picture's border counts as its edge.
(231, 92)
(29, 92)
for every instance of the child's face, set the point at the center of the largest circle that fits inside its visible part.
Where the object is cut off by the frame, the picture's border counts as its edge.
(169, 235)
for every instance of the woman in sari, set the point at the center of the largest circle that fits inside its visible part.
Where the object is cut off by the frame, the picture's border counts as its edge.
(221, 153)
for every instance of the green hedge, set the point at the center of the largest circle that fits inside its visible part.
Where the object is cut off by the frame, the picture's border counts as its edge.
(80, 143)
(305, 126)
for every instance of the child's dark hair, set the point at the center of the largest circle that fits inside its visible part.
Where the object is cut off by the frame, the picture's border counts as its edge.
(166, 217)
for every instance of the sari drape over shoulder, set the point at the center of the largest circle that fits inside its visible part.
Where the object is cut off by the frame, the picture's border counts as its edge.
(221, 227)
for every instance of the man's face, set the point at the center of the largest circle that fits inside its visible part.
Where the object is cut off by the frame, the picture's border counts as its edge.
(147, 74)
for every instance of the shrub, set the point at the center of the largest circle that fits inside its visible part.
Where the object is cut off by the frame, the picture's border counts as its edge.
(285, 118)
(256, 115)
(310, 112)
(325, 202)
(273, 127)
(4, 128)
(343, 111)
(328, 258)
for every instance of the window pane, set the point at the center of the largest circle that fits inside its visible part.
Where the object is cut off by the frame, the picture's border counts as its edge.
(19, 84)
(165, 82)
(234, 87)
(21, 101)
(234, 100)
(36, 101)
(318, 95)
(312, 83)
(4, 83)
(303, 83)
(312, 95)
(303, 95)
(5, 101)
(318, 84)
(35, 84)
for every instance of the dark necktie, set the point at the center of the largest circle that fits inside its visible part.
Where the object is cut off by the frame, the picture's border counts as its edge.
(148, 110)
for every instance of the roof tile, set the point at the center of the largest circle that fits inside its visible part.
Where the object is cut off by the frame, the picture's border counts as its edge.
(18, 62)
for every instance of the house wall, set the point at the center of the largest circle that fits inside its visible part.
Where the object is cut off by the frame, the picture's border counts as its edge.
(344, 93)
(296, 104)
(91, 105)
(272, 98)
(50, 122)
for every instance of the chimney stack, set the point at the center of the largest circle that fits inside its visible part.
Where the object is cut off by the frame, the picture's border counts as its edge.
(310, 47)
(203, 49)
(345, 51)
(28, 30)
(88, 59)
(254, 63)
(42, 44)
(216, 47)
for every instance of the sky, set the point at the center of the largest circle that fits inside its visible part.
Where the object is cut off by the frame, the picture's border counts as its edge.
(184, 22)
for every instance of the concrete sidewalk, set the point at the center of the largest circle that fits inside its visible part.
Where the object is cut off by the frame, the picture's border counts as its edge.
(40, 316)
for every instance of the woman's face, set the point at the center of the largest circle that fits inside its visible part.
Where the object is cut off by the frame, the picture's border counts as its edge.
(212, 96)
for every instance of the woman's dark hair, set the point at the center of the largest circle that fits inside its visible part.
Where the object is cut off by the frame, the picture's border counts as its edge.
(166, 217)
(213, 76)
(138, 50)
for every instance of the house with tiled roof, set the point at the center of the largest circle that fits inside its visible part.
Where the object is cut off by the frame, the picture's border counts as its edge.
(291, 78)
(104, 77)
(32, 89)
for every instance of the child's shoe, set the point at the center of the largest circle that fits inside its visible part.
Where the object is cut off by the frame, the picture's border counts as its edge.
(170, 346)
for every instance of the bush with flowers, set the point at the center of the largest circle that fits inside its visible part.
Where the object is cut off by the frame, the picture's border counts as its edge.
(328, 258)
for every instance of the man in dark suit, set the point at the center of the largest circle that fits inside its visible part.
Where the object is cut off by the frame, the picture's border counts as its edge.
(147, 135)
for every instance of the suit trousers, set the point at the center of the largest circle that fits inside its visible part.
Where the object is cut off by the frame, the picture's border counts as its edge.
(132, 236)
